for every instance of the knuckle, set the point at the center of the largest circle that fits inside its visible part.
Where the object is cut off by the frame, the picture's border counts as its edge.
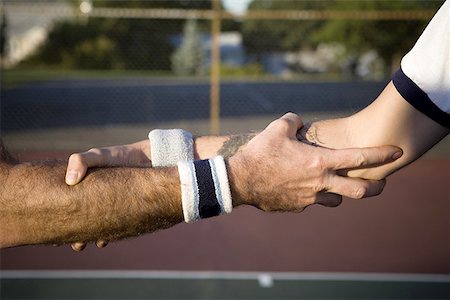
(292, 115)
(96, 151)
(282, 124)
(318, 163)
(76, 158)
(320, 186)
(360, 192)
(360, 159)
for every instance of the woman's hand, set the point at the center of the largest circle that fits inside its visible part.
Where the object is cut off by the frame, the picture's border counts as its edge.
(131, 155)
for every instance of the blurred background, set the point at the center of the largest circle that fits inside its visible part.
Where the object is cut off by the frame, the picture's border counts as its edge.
(82, 74)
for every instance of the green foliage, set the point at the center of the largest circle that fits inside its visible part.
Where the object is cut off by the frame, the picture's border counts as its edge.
(241, 71)
(189, 58)
(3, 25)
(390, 39)
(260, 36)
(106, 44)
(99, 43)
(77, 46)
(189, 4)
(98, 53)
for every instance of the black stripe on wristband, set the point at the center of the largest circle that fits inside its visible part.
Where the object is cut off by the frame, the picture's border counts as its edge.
(208, 206)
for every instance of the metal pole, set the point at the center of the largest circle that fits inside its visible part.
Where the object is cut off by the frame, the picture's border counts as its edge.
(215, 70)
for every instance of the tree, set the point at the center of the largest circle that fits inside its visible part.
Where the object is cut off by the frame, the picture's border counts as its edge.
(102, 43)
(3, 36)
(189, 57)
(390, 38)
(262, 36)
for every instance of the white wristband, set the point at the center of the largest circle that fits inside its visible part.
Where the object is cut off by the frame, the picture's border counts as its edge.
(170, 146)
(205, 189)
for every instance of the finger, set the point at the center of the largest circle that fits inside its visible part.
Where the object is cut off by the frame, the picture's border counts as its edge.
(79, 246)
(355, 188)
(80, 162)
(101, 243)
(328, 199)
(289, 124)
(363, 157)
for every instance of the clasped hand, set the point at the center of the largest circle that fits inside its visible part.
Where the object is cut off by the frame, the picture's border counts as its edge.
(273, 172)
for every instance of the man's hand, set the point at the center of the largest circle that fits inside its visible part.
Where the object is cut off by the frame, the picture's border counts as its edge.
(276, 172)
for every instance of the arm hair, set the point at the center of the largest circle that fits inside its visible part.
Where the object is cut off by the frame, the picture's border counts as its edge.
(36, 206)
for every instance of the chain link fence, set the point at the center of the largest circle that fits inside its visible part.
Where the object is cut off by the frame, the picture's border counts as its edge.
(82, 74)
(77, 74)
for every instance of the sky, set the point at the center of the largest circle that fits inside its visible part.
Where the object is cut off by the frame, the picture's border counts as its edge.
(236, 6)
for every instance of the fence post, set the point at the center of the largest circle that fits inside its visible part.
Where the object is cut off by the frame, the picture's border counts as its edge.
(215, 70)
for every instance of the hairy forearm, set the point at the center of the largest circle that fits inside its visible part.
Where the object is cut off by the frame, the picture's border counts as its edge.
(389, 120)
(36, 206)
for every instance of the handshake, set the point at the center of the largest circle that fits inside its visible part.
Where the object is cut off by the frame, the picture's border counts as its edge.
(284, 168)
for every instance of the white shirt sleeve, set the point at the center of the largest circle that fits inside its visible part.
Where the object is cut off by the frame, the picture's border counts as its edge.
(427, 66)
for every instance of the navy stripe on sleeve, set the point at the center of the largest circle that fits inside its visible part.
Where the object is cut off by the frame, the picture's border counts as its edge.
(419, 99)
(208, 206)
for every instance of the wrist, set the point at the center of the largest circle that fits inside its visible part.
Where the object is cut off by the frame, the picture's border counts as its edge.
(144, 151)
(205, 188)
(238, 177)
(207, 146)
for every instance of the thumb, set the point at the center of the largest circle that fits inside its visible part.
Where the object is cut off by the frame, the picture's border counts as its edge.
(76, 169)
(80, 162)
(290, 123)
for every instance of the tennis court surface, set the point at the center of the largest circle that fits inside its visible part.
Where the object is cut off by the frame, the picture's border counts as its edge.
(394, 246)
(220, 285)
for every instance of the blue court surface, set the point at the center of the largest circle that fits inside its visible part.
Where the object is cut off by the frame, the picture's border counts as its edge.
(219, 285)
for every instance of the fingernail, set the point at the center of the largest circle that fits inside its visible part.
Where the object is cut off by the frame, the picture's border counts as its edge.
(71, 177)
(397, 155)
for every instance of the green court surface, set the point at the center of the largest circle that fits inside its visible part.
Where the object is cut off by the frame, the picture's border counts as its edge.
(210, 285)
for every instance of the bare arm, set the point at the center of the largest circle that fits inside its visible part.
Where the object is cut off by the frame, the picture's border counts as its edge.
(139, 155)
(36, 206)
(389, 120)
(423, 79)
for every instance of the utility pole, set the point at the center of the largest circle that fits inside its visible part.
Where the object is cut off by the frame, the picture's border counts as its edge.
(215, 69)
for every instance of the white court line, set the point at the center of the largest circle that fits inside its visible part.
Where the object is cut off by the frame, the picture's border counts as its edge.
(307, 276)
